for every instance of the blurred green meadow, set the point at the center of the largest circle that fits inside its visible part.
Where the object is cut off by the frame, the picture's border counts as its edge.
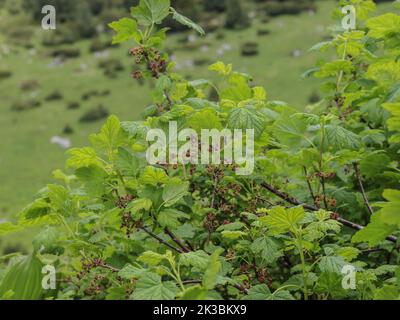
(43, 96)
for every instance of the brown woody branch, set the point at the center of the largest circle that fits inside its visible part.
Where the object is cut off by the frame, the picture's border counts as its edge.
(176, 240)
(306, 206)
(151, 234)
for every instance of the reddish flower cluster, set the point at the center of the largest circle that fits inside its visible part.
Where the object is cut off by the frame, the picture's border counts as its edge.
(319, 199)
(151, 58)
(122, 202)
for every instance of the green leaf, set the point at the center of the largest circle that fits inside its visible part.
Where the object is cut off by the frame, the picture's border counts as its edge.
(385, 269)
(332, 69)
(126, 162)
(258, 292)
(152, 193)
(231, 226)
(158, 38)
(339, 138)
(387, 292)
(150, 287)
(213, 268)
(374, 164)
(82, 157)
(130, 272)
(393, 122)
(170, 218)
(319, 229)
(281, 220)
(330, 283)
(116, 293)
(283, 295)
(126, 30)
(59, 198)
(290, 130)
(36, 209)
(139, 204)
(246, 118)
(174, 191)
(150, 12)
(348, 253)
(259, 93)
(205, 119)
(154, 176)
(187, 22)
(394, 94)
(385, 72)
(198, 259)
(374, 233)
(238, 89)
(151, 258)
(221, 68)
(110, 138)
(321, 46)
(8, 228)
(179, 91)
(93, 178)
(232, 235)
(383, 26)
(332, 264)
(262, 292)
(196, 292)
(266, 249)
(135, 129)
(390, 211)
(186, 231)
(24, 279)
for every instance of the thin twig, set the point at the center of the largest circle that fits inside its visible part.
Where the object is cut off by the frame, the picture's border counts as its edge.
(306, 206)
(360, 183)
(214, 193)
(255, 268)
(176, 240)
(106, 266)
(324, 192)
(309, 184)
(167, 96)
(151, 234)
(189, 245)
(373, 250)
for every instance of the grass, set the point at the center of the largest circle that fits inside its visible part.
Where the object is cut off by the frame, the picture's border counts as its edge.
(27, 157)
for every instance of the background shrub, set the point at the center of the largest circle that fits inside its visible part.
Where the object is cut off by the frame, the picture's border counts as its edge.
(29, 85)
(95, 114)
(237, 17)
(249, 49)
(65, 53)
(4, 74)
(73, 105)
(25, 105)
(54, 96)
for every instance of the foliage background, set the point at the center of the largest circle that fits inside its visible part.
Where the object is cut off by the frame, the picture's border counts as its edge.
(28, 158)
(347, 145)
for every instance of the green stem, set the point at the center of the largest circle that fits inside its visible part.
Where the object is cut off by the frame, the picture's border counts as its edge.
(303, 266)
(285, 287)
(66, 225)
(185, 176)
(177, 275)
(341, 73)
(148, 33)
